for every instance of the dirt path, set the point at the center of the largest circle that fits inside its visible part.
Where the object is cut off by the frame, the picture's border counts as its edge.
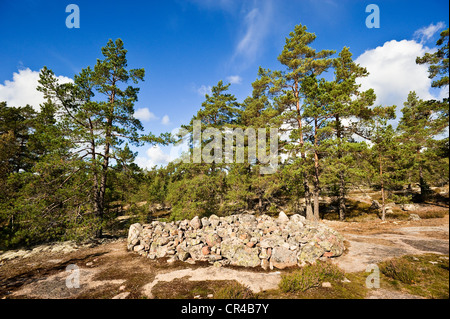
(110, 271)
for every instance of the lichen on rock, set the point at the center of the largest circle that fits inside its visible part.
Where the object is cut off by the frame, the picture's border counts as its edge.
(239, 240)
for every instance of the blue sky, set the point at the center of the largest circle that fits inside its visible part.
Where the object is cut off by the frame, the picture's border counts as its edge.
(188, 46)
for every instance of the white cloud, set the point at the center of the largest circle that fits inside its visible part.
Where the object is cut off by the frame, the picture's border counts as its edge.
(154, 157)
(144, 114)
(203, 90)
(161, 156)
(256, 23)
(22, 89)
(394, 72)
(426, 33)
(165, 120)
(255, 19)
(234, 79)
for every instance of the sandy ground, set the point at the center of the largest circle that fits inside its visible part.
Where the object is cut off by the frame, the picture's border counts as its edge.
(110, 271)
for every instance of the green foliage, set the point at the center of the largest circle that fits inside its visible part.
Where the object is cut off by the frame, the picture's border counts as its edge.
(99, 128)
(417, 128)
(422, 275)
(310, 276)
(16, 124)
(401, 199)
(196, 196)
(58, 174)
(239, 192)
(401, 271)
(234, 291)
(438, 61)
(67, 171)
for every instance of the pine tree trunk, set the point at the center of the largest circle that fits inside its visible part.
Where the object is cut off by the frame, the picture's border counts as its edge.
(341, 198)
(316, 175)
(383, 198)
(308, 204)
(260, 204)
(316, 205)
(341, 194)
(105, 165)
(98, 207)
(422, 185)
(309, 211)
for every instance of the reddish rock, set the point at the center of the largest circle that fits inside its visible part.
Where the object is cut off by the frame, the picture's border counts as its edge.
(243, 236)
(213, 239)
(206, 250)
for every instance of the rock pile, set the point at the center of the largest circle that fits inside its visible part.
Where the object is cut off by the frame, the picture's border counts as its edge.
(238, 240)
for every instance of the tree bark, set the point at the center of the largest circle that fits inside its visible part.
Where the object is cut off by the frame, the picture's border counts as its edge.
(97, 197)
(105, 165)
(341, 194)
(309, 211)
(383, 198)
(316, 173)
(341, 198)
(422, 184)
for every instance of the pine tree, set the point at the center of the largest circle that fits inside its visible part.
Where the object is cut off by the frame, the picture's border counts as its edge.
(301, 61)
(348, 105)
(383, 151)
(259, 112)
(19, 122)
(219, 111)
(317, 105)
(417, 128)
(98, 128)
(438, 61)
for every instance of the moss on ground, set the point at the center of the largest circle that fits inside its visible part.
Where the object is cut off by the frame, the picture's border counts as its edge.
(423, 275)
(183, 288)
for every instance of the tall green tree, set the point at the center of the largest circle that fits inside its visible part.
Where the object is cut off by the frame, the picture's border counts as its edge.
(38, 196)
(384, 149)
(417, 128)
(348, 104)
(258, 112)
(220, 108)
(317, 104)
(438, 61)
(98, 109)
(219, 111)
(300, 61)
(19, 122)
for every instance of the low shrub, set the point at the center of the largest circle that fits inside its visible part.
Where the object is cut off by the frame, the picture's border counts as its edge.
(234, 291)
(399, 270)
(310, 276)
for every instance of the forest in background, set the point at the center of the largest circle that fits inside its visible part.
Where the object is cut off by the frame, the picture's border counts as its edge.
(68, 170)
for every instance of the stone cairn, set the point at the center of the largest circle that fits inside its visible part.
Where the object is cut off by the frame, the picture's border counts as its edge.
(238, 240)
